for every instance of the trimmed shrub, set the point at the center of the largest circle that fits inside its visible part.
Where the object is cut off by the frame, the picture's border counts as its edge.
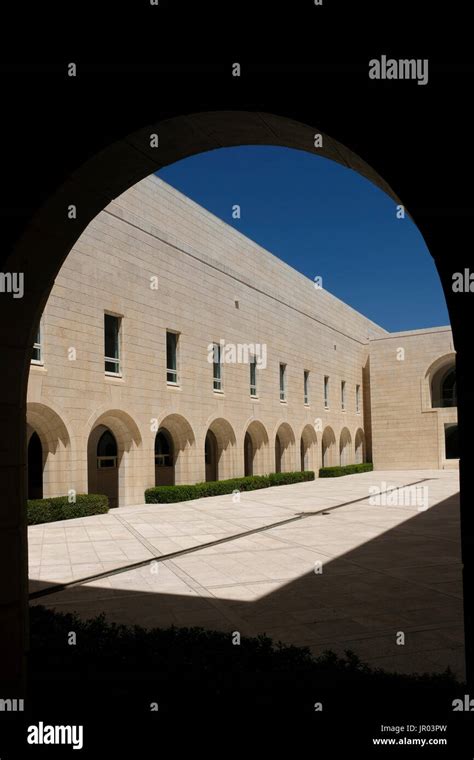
(58, 508)
(348, 469)
(285, 478)
(170, 494)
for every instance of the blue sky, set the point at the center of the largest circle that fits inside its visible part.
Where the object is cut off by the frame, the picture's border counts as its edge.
(323, 220)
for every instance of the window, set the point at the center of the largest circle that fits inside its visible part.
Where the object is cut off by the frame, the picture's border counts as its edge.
(106, 450)
(306, 386)
(282, 382)
(172, 357)
(37, 357)
(343, 394)
(253, 376)
(217, 367)
(326, 392)
(112, 344)
(448, 389)
(358, 399)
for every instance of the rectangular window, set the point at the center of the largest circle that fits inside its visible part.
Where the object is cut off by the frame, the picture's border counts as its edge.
(253, 376)
(282, 382)
(112, 344)
(358, 399)
(343, 394)
(326, 392)
(37, 357)
(217, 367)
(306, 386)
(171, 357)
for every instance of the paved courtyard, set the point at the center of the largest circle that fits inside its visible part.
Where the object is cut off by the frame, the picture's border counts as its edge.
(351, 576)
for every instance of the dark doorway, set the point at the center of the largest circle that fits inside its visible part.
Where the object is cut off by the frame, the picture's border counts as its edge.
(451, 441)
(35, 468)
(164, 459)
(107, 481)
(210, 456)
(277, 453)
(248, 454)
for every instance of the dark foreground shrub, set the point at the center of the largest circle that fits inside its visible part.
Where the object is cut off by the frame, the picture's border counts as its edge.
(169, 494)
(58, 508)
(348, 469)
(169, 665)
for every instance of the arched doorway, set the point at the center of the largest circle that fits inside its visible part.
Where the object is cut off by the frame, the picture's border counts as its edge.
(112, 459)
(35, 467)
(210, 457)
(345, 447)
(248, 454)
(164, 458)
(328, 448)
(256, 449)
(176, 441)
(284, 448)
(220, 451)
(103, 464)
(359, 446)
(308, 449)
(53, 472)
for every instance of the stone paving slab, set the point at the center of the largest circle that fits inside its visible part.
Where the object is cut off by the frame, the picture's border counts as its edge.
(384, 568)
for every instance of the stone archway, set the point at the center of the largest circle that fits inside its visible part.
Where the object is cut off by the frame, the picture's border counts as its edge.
(120, 478)
(103, 464)
(359, 443)
(220, 451)
(345, 447)
(284, 448)
(328, 448)
(178, 442)
(57, 475)
(50, 236)
(256, 449)
(308, 449)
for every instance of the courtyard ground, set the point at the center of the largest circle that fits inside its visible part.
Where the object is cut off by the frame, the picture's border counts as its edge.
(353, 575)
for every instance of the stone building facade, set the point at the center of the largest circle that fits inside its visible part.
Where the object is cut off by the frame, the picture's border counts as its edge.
(173, 349)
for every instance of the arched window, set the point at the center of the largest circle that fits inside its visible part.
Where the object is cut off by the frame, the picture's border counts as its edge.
(448, 389)
(107, 450)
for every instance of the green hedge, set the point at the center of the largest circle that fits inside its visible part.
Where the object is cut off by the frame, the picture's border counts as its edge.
(169, 494)
(348, 469)
(58, 508)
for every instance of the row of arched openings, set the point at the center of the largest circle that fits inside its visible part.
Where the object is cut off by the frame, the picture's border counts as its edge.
(220, 455)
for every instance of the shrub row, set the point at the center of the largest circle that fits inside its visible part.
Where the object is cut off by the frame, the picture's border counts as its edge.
(59, 508)
(169, 494)
(348, 469)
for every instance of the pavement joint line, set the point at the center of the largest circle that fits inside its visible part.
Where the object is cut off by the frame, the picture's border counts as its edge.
(212, 600)
(142, 539)
(57, 587)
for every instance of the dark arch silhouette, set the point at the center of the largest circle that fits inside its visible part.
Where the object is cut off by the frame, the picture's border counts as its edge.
(164, 458)
(41, 250)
